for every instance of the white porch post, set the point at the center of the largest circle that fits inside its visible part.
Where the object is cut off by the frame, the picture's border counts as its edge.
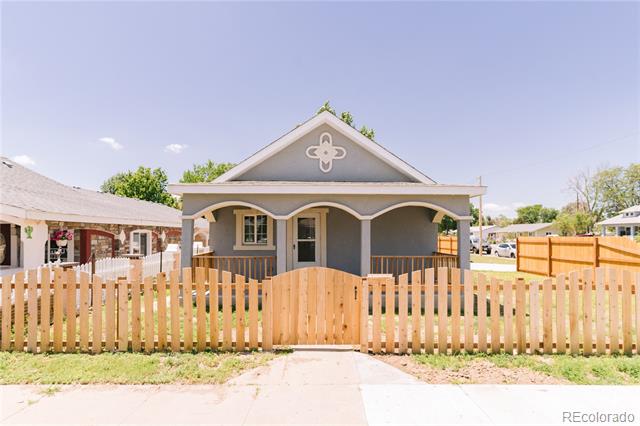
(633, 231)
(604, 230)
(463, 244)
(617, 231)
(281, 246)
(365, 247)
(186, 249)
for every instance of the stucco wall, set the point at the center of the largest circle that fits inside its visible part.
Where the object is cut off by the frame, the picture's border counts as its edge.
(222, 235)
(292, 163)
(343, 241)
(407, 231)
(278, 204)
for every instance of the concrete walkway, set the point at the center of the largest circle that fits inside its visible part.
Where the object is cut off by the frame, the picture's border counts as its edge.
(499, 267)
(312, 387)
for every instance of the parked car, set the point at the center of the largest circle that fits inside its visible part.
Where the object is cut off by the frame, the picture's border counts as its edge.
(504, 250)
(475, 246)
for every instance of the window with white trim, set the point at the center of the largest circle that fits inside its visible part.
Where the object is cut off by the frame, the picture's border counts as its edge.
(140, 242)
(254, 230)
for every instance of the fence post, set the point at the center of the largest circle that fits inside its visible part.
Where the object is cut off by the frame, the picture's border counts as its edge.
(549, 261)
(596, 249)
(517, 252)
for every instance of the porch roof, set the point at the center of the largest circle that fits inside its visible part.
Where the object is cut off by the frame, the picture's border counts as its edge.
(317, 187)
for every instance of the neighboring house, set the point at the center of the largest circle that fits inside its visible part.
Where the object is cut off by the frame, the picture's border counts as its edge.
(627, 222)
(516, 230)
(33, 208)
(323, 194)
(488, 232)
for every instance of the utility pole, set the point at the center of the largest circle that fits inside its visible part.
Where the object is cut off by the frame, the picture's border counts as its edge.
(480, 219)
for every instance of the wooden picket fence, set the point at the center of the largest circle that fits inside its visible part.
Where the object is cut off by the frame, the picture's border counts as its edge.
(582, 312)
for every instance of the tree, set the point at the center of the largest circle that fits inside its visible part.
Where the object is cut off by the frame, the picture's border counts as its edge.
(206, 172)
(347, 118)
(535, 213)
(574, 223)
(143, 184)
(449, 224)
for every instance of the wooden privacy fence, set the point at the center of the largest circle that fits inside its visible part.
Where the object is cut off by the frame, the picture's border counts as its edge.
(553, 255)
(582, 312)
(256, 267)
(447, 244)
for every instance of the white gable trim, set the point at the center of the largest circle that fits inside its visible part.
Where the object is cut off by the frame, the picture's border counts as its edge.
(320, 119)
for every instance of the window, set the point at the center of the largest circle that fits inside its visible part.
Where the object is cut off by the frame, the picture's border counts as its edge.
(254, 230)
(140, 242)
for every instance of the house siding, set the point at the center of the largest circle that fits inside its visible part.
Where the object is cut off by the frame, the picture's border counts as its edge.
(407, 231)
(222, 236)
(343, 241)
(292, 163)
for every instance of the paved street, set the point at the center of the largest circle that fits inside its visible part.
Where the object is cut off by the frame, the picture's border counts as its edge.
(313, 386)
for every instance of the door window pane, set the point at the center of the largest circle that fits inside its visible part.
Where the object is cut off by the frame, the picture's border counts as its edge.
(306, 251)
(143, 244)
(306, 228)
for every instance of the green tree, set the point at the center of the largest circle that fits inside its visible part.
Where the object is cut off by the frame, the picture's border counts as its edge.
(347, 118)
(370, 133)
(606, 192)
(535, 213)
(572, 223)
(143, 184)
(449, 224)
(206, 172)
(326, 107)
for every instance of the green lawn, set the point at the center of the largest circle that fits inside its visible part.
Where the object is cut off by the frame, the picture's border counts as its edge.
(511, 275)
(594, 370)
(126, 367)
(476, 258)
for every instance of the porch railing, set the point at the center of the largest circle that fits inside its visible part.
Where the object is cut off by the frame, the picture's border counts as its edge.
(255, 267)
(398, 265)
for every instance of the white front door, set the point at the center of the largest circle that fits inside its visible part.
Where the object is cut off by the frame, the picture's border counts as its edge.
(306, 240)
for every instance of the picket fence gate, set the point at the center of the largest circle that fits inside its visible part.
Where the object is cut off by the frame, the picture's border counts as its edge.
(582, 312)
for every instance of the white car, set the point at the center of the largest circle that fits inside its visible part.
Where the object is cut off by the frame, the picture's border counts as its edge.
(504, 250)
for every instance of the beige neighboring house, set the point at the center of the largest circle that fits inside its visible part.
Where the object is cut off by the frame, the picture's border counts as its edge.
(511, 232)
(33, 208)
(488, 232)
(625, 223)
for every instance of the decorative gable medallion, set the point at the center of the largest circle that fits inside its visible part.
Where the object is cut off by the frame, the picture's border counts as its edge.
(325, 152)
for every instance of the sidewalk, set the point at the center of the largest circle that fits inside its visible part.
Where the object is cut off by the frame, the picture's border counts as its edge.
(312, 386)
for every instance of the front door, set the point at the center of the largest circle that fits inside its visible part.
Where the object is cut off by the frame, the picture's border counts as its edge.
(306, 240)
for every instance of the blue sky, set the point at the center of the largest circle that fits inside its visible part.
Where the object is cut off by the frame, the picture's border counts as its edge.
(526, 94)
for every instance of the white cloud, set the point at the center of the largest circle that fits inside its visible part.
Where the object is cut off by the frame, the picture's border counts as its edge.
(175, 148)
(494, 209)
(24, 160)
(116, 146)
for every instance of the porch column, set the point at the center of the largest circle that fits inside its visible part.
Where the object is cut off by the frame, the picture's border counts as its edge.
(633, 231)
(604, 230)
(464, 244)
(617, 231)
(281, 246)
(186, 249)
(365, 247)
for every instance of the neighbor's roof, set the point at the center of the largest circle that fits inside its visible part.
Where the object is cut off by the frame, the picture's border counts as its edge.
(523, 227)
(29, 195)
(632, 209)
(493, 228)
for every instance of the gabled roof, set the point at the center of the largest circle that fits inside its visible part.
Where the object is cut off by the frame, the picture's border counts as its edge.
(29, 195)
(325, 118)
(523, 227)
